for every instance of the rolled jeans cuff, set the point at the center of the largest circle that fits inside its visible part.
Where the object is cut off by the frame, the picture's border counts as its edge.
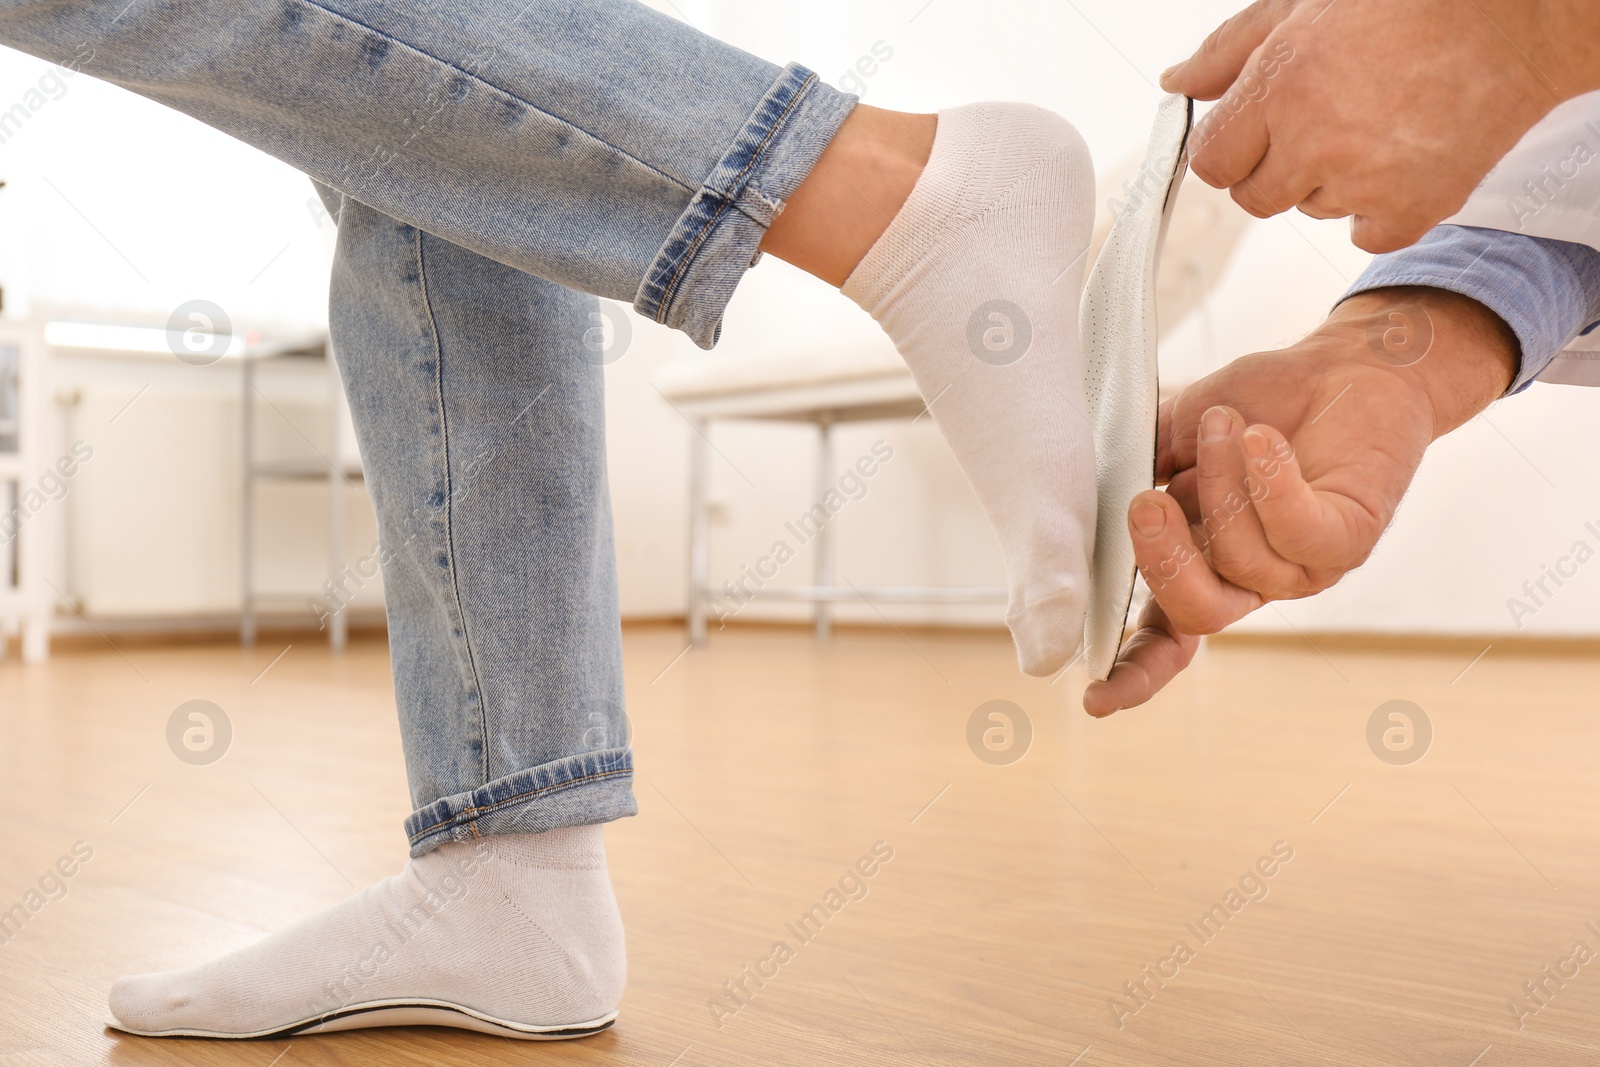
(592, 788)
(718, 237)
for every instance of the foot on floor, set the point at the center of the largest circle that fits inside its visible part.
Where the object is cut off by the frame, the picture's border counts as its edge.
(516, 935)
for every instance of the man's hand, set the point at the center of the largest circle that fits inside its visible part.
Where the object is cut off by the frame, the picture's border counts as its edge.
(1283, 469)
(1388, 110)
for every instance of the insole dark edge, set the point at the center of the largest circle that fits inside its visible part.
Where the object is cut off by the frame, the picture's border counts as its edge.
(1174, 180)
(574, 1031)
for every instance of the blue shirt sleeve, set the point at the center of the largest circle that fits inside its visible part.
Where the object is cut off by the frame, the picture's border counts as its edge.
(1547, 291)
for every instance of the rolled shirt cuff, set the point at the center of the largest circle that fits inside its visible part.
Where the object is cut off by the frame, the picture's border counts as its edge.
(1547, 291)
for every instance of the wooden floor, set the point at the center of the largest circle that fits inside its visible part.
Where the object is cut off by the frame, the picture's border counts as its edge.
(1019, 901)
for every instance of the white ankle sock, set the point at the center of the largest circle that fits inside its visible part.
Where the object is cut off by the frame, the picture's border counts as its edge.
(977, 282)
(517, 935)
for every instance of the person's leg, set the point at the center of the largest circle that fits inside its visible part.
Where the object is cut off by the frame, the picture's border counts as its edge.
(478, 404)
(615, 150)
(595, 143)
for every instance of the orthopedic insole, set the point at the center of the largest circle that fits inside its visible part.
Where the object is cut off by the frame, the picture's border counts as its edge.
(398, 1012)
(1117, 325)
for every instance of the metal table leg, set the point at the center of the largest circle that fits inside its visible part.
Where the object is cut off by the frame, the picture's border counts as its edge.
(824, 575)
(247, 509)
(699, 532)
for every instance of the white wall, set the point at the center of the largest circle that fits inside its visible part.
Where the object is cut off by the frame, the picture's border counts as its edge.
(124, 209)
(149, 210)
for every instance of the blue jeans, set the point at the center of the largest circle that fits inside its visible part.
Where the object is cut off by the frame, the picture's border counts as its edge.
(488, 164)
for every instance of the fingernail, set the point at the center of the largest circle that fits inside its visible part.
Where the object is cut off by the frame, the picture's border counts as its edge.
(1256, 445)
(1166, 75)
(1216, 425)
(1149, 519)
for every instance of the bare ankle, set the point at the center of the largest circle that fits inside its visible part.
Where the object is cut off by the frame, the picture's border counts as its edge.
(854, 191)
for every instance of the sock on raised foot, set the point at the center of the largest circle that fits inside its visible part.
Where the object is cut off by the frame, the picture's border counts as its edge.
(517, 935)
(977, 282)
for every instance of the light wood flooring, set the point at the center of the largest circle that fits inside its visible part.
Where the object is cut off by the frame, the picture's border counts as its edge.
(1019, 901)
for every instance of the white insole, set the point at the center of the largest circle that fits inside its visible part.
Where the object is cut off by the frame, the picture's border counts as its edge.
(1119, 333)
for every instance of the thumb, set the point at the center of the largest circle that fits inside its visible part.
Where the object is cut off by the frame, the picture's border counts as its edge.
(1380, 235)
(1209, 73)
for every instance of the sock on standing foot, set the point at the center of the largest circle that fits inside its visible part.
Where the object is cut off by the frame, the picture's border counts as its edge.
(519, 930)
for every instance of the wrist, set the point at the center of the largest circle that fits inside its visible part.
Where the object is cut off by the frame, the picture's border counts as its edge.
(1451, 353)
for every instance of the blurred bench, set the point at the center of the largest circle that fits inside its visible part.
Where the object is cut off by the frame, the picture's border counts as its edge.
(824, 389)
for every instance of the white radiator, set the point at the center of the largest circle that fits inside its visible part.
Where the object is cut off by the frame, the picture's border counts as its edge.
(27, 491)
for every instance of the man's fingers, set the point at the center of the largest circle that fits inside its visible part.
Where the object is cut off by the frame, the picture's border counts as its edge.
(1389, 234)
(1234, 540)
(1153, 656)
(1210, 71)
(1229, 143)
(1272, 188)
(1219, 498)
(1185, 489)
(1321, 205)
(1320, 531)
(1169, 460)
(1194, 597)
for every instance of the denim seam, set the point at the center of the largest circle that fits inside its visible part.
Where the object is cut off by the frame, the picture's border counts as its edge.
(449, 498)
(734, 189)
(474, 811)
(342, 17)
(753, 198)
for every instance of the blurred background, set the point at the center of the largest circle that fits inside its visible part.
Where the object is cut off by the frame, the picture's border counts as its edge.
(121, 214)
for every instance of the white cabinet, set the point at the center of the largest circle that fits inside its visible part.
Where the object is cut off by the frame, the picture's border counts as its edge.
(153, 527)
